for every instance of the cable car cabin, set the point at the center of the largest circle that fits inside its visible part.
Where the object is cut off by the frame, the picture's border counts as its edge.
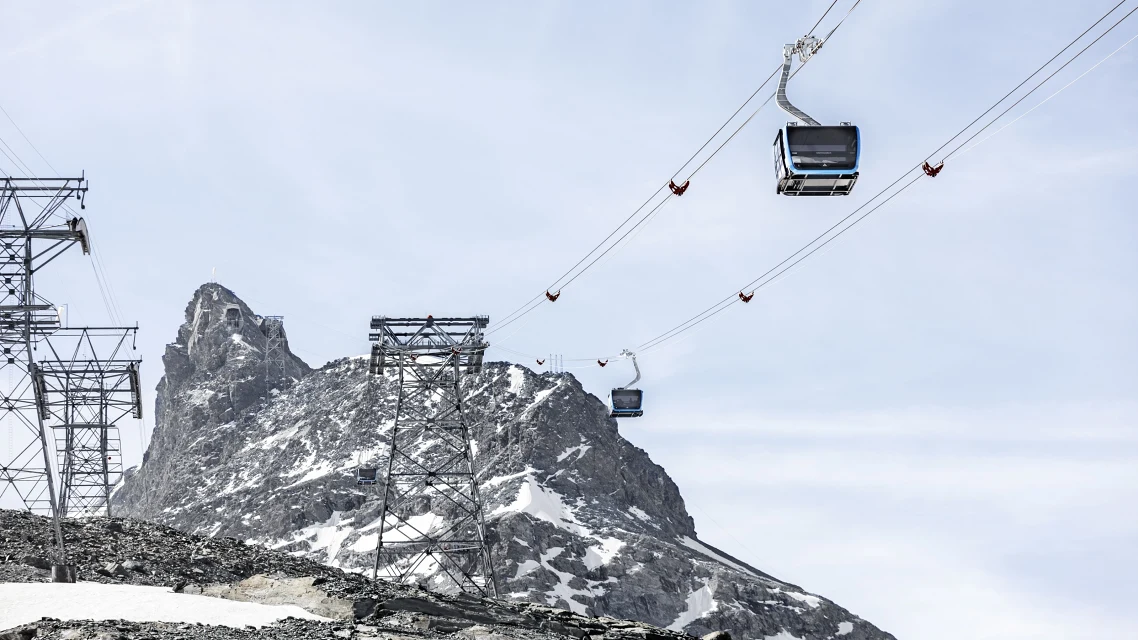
(626, 403)
(366, 476)
(816, 160)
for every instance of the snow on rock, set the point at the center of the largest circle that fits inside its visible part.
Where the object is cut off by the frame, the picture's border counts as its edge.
(696, 545)
(544, 504)
(813, 601)
(699, 603)
(639, 514)
(601, 554)
(579, 450)
(844, 628)
(23, 603)
(517, 379)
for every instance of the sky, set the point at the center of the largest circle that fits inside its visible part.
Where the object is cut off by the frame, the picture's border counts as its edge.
(933, 421)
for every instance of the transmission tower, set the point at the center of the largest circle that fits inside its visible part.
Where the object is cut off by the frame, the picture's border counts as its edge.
(273, 327)
(429, 459)
(33, 233)
(86, 383)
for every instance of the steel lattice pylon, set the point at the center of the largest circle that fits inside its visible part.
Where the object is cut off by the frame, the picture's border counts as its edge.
(85, 385)
(33, 233)
(273, 327)
(430, 462)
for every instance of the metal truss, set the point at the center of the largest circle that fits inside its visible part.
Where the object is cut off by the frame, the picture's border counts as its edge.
(273, 327)
(85, 384)
(430, 464)
(33, 233)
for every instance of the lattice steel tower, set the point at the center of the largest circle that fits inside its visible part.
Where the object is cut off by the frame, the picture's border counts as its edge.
(85, 384)
(430, 464)
(33, 233)
(274, 348)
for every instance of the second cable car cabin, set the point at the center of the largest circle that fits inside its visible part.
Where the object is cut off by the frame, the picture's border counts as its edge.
(366, 476)
(625, 402)
(816, 160)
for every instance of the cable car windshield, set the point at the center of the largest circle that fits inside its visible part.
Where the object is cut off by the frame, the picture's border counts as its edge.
(823, 147)
(626, 398)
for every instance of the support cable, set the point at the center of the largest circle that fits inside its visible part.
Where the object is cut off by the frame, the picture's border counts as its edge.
(825, 238)
(561, 282)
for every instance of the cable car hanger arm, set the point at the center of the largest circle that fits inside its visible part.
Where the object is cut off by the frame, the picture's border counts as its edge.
(632, 355)
(805, 47)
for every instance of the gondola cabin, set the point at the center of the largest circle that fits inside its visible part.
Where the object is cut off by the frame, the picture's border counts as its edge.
(816, 160)
(366, 476)
(626, 403)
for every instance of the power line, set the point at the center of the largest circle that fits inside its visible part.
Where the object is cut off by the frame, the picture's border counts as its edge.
(794, 259)
(558, 285)
(106, 290)
(759, 282)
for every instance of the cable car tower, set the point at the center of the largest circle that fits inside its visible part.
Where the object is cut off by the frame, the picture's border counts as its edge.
(273, 327)
(85, 384)
(430, 465)
(33, 233)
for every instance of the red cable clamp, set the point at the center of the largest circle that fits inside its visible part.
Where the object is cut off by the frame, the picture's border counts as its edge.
(678, 190)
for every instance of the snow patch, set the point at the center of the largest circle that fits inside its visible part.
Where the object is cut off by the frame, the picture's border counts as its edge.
(813, 601)
(579, 450)
(700, 603)
(411, 529)
(602, 554)
(562, 590)
(329, 535)
(517, 379)
(544, 504)
(497, 480)
(24, 603)
(526, 567)
(640, 514)
(698, 546)
(844, 628)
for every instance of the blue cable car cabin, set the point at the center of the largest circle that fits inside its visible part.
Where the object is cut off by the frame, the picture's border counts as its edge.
(817, 160)
(366, 476)
(626, 403)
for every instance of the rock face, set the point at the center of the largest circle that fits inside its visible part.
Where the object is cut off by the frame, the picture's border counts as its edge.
(577, 516)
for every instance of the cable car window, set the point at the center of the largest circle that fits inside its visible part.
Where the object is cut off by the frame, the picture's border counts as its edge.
(626, 399)
(823, 147)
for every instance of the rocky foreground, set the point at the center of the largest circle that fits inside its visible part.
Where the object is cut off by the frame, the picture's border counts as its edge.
(116, 550)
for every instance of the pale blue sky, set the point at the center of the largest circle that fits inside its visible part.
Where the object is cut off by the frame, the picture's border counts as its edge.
(933, 422)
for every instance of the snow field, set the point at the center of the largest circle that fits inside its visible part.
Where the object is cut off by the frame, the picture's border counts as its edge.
(26, 602)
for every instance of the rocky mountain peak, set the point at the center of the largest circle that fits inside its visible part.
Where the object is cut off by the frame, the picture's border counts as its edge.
(577, 517)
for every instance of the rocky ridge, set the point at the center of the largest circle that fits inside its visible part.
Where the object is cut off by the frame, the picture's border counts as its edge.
(578, 518)
(124, 551)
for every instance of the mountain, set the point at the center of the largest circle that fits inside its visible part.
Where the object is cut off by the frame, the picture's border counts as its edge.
(578, 517)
